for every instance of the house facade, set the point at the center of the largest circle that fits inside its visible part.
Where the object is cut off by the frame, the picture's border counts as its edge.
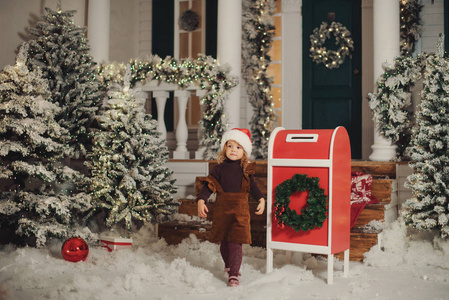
(305, 94)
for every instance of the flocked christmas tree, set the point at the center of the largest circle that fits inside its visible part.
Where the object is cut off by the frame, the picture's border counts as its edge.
(429, 207)
(32, 201)
(61, 51)
(130, 181)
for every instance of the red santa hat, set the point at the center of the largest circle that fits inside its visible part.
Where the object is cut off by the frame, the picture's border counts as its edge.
(241, 136)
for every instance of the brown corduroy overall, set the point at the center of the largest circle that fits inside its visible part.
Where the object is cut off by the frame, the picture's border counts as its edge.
(231, 216)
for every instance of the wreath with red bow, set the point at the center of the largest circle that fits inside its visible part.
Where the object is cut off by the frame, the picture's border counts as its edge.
(312, 215)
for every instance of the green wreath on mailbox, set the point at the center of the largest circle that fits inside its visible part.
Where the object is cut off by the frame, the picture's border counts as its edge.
(312, 215)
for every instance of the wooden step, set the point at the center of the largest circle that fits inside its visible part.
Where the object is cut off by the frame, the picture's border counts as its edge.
(190, 208)
(370, 213)
(385, 169)
(175, 231)
(383, 173)
(382, 190)
(360, 243)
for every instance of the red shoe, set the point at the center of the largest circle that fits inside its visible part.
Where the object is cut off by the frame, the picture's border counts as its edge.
(233, 281)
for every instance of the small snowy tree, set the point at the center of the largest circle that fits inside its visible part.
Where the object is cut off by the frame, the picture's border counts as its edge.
(61, 51)
(429, 207)
(129, 178)
(31, 145)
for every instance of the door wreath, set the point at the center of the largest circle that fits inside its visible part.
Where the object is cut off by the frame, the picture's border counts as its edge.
(312, 215)
(330, 58)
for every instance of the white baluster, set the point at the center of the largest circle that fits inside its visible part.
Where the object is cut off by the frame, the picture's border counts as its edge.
(161, 99)
(199, 154)
(181, 151)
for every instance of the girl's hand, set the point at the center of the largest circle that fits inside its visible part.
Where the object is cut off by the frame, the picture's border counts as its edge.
(260, 207)
(202, 208)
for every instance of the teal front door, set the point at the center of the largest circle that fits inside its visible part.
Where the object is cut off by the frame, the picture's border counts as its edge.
(332, 97)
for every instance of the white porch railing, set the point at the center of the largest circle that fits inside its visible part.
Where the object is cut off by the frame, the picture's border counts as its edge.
(161, 92)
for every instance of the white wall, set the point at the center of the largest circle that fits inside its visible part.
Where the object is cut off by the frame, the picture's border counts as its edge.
(130, 25)
(16, 16)
(432, 16)
(124, 28)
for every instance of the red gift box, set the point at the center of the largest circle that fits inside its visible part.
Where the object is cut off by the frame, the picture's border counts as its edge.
(114, 243)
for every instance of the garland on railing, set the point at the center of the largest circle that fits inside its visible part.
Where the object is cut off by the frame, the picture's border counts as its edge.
(257, 35)
(411, 25)
(204, 72)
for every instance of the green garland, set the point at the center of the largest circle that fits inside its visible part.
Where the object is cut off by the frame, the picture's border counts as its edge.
(391, 101)
(313, 215)
(257, 38)
(411, 25)
(204, 72)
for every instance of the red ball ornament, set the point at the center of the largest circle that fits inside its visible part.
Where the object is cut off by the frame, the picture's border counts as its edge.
(75, 249)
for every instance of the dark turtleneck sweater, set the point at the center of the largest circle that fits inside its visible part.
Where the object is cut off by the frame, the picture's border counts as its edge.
(230, 175)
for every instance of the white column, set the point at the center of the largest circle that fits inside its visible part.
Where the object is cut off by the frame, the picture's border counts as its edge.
(161, 98)
(291, 64)
(98, 21)
(386, 48)
(229, 51)
(182, 133)
(201, 149)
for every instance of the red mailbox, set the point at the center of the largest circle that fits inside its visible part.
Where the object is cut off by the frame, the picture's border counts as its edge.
(322, 153)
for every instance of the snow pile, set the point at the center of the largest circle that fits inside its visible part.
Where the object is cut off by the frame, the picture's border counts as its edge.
(402, 245)
(406, 268)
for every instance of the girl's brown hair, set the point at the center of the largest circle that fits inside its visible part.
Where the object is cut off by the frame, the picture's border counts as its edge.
(221, 157)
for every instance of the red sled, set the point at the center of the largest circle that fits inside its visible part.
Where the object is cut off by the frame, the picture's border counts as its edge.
(113, 243)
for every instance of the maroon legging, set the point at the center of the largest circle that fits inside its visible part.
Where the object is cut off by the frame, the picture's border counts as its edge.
(232, 256)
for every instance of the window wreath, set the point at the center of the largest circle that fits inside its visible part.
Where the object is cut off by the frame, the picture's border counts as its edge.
(312, 215)
(330, 58)
(189, 20)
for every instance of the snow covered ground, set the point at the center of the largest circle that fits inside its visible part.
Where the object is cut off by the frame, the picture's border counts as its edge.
(407, 267)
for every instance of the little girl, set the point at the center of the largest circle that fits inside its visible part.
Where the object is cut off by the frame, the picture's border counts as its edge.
(232, 180)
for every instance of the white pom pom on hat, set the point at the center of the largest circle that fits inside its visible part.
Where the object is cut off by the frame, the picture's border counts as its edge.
(241, 136)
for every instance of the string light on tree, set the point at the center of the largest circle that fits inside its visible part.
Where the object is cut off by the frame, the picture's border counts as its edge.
(428, 209)
(39, 201)
(129, 181)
